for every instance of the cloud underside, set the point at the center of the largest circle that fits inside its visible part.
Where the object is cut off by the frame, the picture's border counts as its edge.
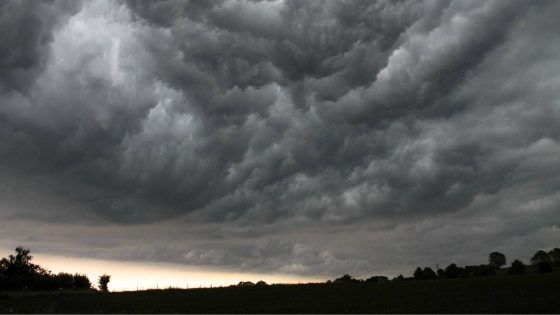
(306, 137)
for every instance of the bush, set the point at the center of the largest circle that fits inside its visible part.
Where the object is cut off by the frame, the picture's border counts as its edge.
(544, 267)
(496, 260)
(480, 271)
(418, 274)
(376, 279)
(81, 282)
(542, 260)
(398, 278)
(428, 274)
(103, 282)
(555, 256)
(452, 271)
(517, 268)
(245, 284)
(18, 273)
(540, 257)
(346, 279)
(64, 280)
(424, 274)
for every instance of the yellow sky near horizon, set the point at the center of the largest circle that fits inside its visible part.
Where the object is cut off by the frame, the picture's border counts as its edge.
(129, 276)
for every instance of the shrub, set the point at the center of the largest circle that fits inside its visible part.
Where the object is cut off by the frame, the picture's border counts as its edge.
(245, 284)
(539, 257)
(376, 279)
(480, 271)
(81, 282)
(496, 260)
(346, 279)
(542, 260)
(64, 281)
(517, 268)
(17, 272)
(103, 282)
(428, 274)
(452, 271)
(555, 256)
(418, 274)
(544, 267)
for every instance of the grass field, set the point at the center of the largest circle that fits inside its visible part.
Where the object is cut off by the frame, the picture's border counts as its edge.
(531, 293)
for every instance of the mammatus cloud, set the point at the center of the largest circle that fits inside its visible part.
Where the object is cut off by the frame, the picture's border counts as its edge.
(307, 137)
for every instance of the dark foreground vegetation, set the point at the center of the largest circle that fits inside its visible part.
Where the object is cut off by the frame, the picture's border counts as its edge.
(529, 293)
(487, 288)
(18, 273)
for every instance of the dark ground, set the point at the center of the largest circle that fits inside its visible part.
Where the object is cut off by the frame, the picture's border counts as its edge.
(531, 293)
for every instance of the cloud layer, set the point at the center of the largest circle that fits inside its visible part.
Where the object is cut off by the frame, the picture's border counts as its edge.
(305, 137)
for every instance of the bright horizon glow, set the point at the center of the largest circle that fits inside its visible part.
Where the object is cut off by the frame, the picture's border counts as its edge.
(130, 276)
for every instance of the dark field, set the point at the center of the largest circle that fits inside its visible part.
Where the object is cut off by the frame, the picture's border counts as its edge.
(532, 293)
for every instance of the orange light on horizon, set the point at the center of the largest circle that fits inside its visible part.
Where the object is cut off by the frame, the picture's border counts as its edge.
(130, 276)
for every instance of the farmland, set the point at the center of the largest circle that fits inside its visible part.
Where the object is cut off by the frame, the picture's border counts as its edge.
(529, 293)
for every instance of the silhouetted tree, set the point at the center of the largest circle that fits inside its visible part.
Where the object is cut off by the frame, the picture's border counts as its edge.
(245, 284)
(428, 273)
(376, 279)
(261, 283)
(68, 281)
(20, 264)
(346, 279)
(496, 260)
(542, 260)
(81, 282)
(452, 271)
(64, 280)
(418, 274)
(441, 273)
(18, 272)
(424, 274)
(480, 271)
(103, 282)
(540, 256)
(398, 278)
(517, 268)
(555, 256)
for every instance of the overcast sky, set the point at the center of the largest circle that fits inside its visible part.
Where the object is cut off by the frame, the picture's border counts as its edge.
(313, 138)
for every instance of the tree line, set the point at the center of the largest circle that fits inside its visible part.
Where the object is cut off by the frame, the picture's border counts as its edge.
(542, 261)
(17, 272)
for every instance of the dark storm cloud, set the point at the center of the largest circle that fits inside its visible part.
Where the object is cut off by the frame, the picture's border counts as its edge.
(26, 33)
(271, 126)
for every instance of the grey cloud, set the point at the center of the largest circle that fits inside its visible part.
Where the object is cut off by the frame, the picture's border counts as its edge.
(27, 28)
(278, 117)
